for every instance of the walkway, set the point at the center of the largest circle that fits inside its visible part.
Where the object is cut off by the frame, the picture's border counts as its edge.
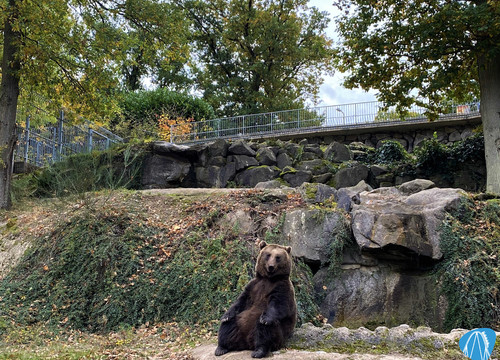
(317, 121)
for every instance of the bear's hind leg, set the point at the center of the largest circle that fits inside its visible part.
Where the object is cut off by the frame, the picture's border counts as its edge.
(267, 338)
(229, 338)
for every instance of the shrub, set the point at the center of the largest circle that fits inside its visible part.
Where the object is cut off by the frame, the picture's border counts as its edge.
(141, 110)
(435, 157)
(390, 152)
(469, 149)
(117, 167)
(432, 156)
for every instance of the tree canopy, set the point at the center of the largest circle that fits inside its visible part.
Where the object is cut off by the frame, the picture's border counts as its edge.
(426, 50)
(423, 51)
(256, 55)
(73, 52)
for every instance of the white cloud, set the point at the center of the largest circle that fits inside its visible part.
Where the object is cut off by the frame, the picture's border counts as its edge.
(332, 92)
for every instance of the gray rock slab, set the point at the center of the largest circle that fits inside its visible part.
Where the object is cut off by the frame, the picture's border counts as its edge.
(387, 219)
(311, 232)
(240, 147)
(206, 352)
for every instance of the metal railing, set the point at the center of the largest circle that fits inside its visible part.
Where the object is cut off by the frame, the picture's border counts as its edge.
(46, 144)
(315, 119)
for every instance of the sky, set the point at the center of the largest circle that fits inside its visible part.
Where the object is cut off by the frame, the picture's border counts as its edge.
(332, 92)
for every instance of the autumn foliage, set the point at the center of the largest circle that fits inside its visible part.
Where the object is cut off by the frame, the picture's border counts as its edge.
(178, 127)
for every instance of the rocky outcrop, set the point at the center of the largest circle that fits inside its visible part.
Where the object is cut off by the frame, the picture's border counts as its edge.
(379, 295)
(310, 233)
(401, 227)
(252, 176)
(164, 171)
(337, 152)
(351, 176)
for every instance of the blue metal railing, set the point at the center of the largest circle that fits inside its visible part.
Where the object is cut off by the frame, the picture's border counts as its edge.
(308, 120)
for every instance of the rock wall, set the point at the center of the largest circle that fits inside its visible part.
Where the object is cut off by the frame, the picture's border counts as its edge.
(241, 164)
(409, 139)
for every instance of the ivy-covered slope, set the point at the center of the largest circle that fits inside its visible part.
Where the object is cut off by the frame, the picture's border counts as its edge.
(127, 259)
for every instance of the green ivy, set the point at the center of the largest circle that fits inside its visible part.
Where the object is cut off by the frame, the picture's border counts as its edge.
(390, 152)
(107, 268)
(470, 242)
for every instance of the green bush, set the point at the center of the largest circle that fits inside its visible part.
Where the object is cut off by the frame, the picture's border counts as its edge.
(390, 152)
(117, 167)
(470, 242)
(469, 149)
(140, 111)
(435, 157)
(432, 156)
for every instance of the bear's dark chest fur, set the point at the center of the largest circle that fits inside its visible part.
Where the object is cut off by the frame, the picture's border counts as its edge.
(259, 295)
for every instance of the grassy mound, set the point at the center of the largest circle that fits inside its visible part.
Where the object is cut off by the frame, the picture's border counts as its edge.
(114, 264)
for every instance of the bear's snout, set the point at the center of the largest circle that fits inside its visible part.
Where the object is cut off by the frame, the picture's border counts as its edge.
(271, 268)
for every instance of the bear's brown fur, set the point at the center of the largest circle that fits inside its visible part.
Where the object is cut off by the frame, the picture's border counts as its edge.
(264, 315)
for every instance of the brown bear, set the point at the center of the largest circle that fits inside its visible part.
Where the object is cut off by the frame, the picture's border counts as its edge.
(264, 315)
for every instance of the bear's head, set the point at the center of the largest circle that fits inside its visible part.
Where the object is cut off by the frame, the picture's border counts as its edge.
(273, 260)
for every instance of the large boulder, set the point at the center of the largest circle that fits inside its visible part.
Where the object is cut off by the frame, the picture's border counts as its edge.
(167, 148)
(390, 224)
(415, 186)
(293, 150)
(315, 166)
(254, 175)
(265, 156)
(215, 176)
(240, 147)
(310, 233)
(297, 178)
(218, 148)
(380, 295)
(242, 161)
(351, 176)
(284, 160)
(337, 152)
(164, 171)
(317, 192)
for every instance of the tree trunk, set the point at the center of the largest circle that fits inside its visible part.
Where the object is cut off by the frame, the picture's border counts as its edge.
(9, 93)
(489, 80)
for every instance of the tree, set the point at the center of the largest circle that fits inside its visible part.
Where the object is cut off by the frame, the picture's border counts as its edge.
(258, 55)
(71, 52)
(420, 51)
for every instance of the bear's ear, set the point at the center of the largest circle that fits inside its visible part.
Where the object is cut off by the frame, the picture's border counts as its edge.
(288, 249)
(262, 245)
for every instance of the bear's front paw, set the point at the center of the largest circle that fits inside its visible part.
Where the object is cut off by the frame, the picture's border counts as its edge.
(226, 317)
(266, 320)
